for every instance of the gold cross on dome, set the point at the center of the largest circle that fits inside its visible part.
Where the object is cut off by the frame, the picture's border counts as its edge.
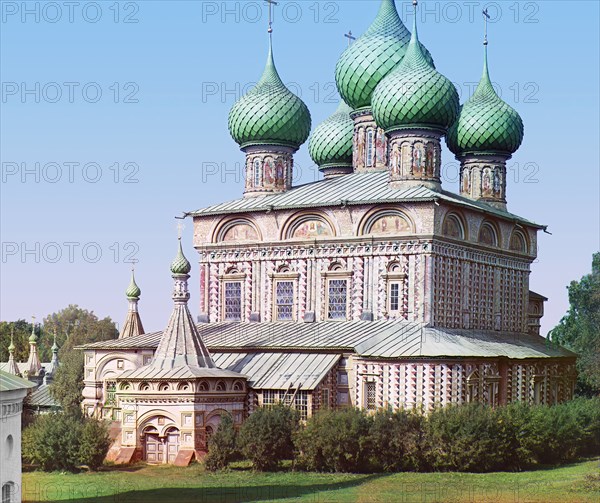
(271, 4)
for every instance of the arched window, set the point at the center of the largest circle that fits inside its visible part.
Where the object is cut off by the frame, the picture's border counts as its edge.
(238, 386)
(370, 147)
(184, 386)
(221, 386)
(203, 386)
(488, 235)
(257, 173)
(388, 222)
(10, 443)
(453, 227)
(8, 492)
(518, 242)
(163, 386)
(125, 386)
(145, 386)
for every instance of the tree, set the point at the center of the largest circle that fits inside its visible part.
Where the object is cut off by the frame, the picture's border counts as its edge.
(76, 326)
(266, 436)
(22, 331)
(579, 330)
(59, 441)
(67, 385)
(222, 445)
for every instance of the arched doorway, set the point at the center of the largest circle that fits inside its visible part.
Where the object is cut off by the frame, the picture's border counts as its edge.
(154, 447)
(172, 444)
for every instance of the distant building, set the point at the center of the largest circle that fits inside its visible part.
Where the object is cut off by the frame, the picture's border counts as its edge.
(373, 288)
(13, 390)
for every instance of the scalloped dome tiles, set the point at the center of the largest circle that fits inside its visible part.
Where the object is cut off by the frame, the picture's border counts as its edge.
(415, 94)
(331, 142)
(375, 54)
(180, 264)
(486, 124)
(270, 114)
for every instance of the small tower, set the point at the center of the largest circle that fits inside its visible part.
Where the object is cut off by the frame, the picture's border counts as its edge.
(12, 367)
(181, 344)
(485, 135)
(133, 324)
(54, 361)
(270, 123)
(33, 363)
(415, 105)
(362, 66)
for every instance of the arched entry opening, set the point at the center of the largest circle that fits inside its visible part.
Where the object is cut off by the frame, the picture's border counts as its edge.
(154, 447)
(172, 444)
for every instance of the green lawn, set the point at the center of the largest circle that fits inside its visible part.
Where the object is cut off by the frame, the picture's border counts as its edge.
(578, 482)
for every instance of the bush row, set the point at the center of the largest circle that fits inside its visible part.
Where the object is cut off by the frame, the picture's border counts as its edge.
(465, 438)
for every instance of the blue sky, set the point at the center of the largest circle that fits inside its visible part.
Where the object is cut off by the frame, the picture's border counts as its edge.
(114, 121)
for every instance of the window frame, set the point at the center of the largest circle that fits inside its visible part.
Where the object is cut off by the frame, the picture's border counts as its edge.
(336, 277)
(284, 277)
(232, 278)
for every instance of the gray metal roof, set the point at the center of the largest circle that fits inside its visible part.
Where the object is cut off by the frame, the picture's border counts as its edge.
(352, 189)
(10, 382)
(185, 372)
(279, 370)
(376, 339)
(41, 397)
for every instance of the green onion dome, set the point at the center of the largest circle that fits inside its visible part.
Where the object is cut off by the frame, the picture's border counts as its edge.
(375, 54)
(270, 114)
(330, 143)
(33, 338)
(415, 94)
(133, 291)
(485, 123)
(11, 346)
(180, 264)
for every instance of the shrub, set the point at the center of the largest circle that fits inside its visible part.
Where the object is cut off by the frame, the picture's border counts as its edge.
(60, 441)
(266, 436)
(335, 441)
(94, 442)
(395, 441)
(462, 438)
(222, 445)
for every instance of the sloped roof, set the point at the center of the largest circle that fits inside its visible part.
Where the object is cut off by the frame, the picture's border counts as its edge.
(23, 366)
(303, 371)
(376, 339)
(41, 397)
(183, 372)
(10, 382)
(352, 189)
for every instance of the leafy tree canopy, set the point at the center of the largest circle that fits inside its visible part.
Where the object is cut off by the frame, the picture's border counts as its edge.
(579, 330)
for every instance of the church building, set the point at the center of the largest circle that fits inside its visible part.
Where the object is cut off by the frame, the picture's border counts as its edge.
(374, 287)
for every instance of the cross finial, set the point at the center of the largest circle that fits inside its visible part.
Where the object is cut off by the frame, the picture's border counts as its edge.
(271, 4)
(180, 227)
(133, 261)
(486, 17)
(351, 38)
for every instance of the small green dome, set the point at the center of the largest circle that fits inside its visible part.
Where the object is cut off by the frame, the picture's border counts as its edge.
(133, 291)
(485, 123)
(270, 114)
(11, 346)
(33, 338)
(415, 94)
(180, 264)
(375, 54)
(330, 143)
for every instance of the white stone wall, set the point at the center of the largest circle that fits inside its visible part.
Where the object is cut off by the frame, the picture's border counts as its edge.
(11, 406)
